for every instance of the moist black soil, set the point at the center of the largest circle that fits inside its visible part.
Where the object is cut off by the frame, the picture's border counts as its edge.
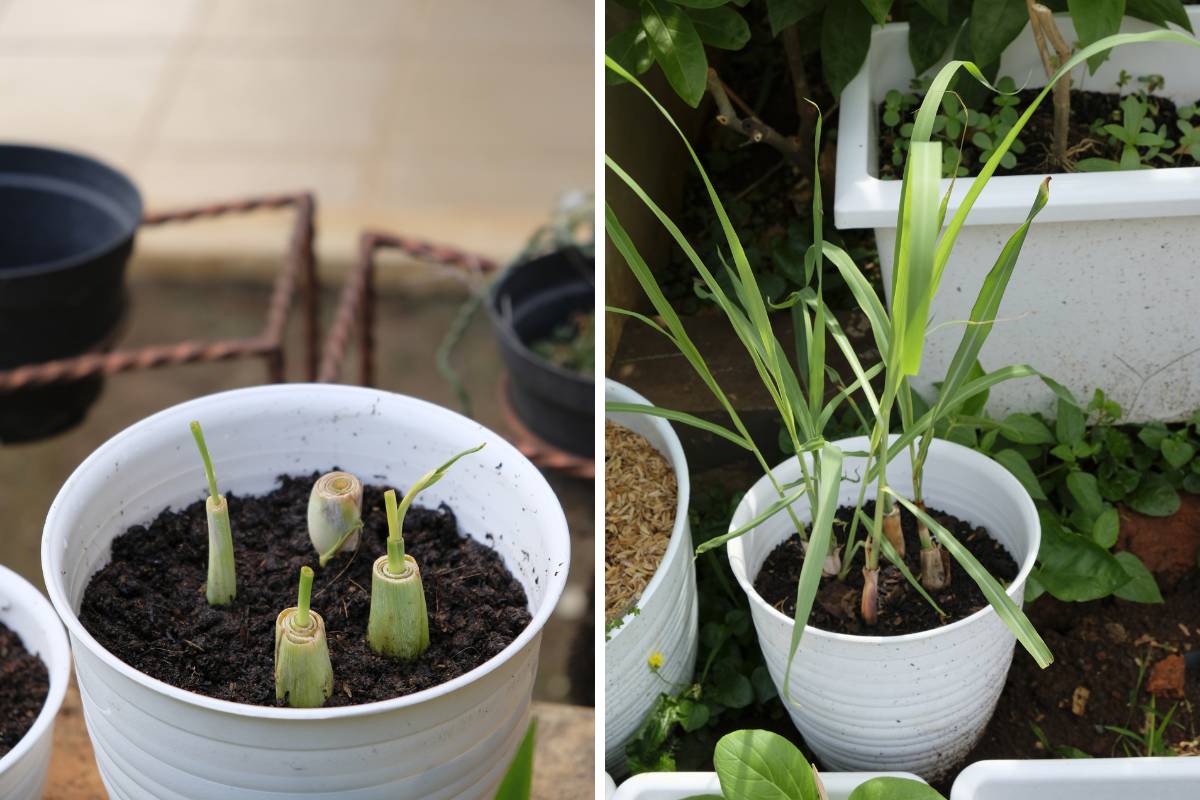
(1108, 649)
(902, 610)
(1038, 134)
(147, 606)
(24, 684)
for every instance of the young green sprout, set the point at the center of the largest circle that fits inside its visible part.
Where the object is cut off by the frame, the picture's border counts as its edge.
(398, 626)
(222, 574)
(335, 513)
(303, 674)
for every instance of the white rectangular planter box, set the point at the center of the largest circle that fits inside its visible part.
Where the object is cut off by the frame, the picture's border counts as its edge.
(1107, 290)
(1080, 779)
(681, 785)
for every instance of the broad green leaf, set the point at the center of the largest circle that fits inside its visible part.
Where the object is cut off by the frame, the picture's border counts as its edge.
(1074, 568)
(517, 783)
(785, 13)
(828, 483)
(631, 49)
(677, 48)
(1159, 12)
(1095, 19)
(761, 765)
(845, 39)
(878, 9)
(1015, 463)
(1008, 611)
(928, 38)
(1154, 497)
(1070, 423)
(720, 27)
(993, 26)
(1141, 587)
(1082, 486)
(888, 788)
(679, 416)
(1106, 528)
(1177, 452)
(1153, 435)
(1025, 429)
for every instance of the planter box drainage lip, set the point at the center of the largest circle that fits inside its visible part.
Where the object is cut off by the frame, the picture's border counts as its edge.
(864, 201)
(501, 450)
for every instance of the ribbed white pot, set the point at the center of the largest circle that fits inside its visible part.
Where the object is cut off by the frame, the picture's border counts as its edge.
(666, 618)
(28, 614)
(1105, 292)
(914, 703)
(158, 742)
(684, 785)
(1080, 779)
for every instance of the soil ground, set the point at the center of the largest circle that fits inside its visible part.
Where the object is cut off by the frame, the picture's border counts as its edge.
(24, 684)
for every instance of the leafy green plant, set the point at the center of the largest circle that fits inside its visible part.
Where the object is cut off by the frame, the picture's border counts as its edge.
(517, 783)
(1140, 141)
(221, 586)
(755, 764)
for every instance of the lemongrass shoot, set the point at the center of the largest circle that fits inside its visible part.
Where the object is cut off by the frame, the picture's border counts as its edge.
(303, 672)
(892, 530)
(221, 588)
(398, 625)
(335, 514)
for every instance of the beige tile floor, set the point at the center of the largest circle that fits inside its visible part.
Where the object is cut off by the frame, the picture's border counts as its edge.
(460, 120)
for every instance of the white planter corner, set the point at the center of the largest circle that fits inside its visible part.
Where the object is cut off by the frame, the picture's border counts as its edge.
(912, 703)
(666, 621)
(1080, 779)
(158, 742)
(29, 615)
(1105, 293)
(682, 785)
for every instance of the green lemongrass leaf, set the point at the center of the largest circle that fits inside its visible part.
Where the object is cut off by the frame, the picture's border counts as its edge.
(209, 474)
(891, 555)
(843, 342)
(771, 510)
(831, 407)
(828, 483)
(1008, 611)
(864, 294)
(517, 783)
(642, 318)
(678, 416)
(914, 287)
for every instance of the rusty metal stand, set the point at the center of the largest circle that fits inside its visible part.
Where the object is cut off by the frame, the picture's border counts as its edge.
(299, 269)
(357, 305)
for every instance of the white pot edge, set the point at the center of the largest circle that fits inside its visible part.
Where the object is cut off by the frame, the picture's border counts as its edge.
(57, 659)
(81, 636)
(999, 778)
(680, 785)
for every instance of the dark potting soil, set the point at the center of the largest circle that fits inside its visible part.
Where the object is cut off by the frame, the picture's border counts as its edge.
(148, 607)
(24, 684)
(901, 609)
(1038, 134)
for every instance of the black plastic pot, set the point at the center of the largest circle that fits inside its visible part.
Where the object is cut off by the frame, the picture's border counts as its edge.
(526, 303)
(68, 228)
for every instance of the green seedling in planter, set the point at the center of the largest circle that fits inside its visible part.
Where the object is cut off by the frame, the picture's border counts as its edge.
(1135, 133)
(303, 673)
(1189, 137)
(335, 513)
(221, 588)
(398, 625)
(754, 764)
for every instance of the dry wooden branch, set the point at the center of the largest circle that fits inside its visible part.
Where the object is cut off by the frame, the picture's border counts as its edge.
(750, 126)
(1047, 35)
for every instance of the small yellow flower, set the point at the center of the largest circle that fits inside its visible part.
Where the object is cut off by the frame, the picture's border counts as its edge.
(655, 661)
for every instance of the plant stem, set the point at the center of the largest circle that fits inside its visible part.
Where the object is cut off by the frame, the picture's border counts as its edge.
(395, 541)
(198, 435)
(303, 619)
(1041, 19)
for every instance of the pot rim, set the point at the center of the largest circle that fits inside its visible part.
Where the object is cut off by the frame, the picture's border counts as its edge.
(555, 521)
(57, 658)
(1015, 590)
(683, 490)
(110, 245)
(504, 330)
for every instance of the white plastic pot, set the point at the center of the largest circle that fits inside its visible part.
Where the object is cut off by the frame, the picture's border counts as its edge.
(913, 703)
(156, 741)
(1105, 293)
(1080, 779)
(682, 785)
(28, 614)
(666, 619)
(610, 787)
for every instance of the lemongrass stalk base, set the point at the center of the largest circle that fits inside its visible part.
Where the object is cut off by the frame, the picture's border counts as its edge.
(221, 588)
(398, 626)
(303, 672)
(891, 529)
(935, 568)
(335, 513)
(869, 607)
